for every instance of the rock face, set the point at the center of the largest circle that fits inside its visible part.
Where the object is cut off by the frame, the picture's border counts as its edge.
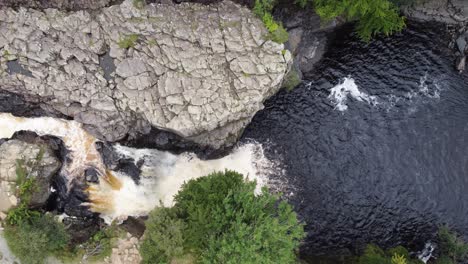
(43, 170)
(199, 71)
(60, 4)
(446, 11)
(308, 35)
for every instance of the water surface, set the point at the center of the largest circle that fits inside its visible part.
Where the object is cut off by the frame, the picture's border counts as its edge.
(375, 142)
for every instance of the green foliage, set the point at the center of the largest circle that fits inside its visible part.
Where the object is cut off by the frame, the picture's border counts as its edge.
(34, 240)
(21, 214)
(128, 41)
(291, 80)
(373, 16)
(451, 247)
(302, 3)
(164, 239)
(100, 244)
(219, 219)
(263, 9)
(375, 255)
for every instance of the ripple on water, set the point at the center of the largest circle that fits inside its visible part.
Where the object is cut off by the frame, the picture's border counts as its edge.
(375, 142)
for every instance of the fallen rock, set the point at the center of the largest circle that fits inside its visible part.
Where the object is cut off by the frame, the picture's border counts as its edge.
(42, 169)
(126, 251)
(202, 76)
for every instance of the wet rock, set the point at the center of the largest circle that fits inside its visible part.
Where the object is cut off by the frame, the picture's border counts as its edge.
(308, 35)
(202, 77)
(461, 64)
(81, 229)
(42, 169)
(91, 175)
(135, 226)
(461, 43)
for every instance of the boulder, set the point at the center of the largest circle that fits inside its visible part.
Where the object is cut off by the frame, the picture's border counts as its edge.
(42, 170)
(60, 4)
(202, 76)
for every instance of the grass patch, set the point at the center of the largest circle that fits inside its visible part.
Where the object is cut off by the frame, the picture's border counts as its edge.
(128, 41)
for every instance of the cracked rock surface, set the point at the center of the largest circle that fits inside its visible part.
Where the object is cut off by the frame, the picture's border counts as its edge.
(446, 11)
(199, 71)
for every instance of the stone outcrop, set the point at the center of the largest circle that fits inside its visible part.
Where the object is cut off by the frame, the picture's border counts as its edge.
(42, 169)
(126, 251)
(199, 71)
(446, 11)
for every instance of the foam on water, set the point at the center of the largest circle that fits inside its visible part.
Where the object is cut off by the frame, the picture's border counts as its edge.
(163, 173)
(80, 143)
(339, 94)
(117, 196)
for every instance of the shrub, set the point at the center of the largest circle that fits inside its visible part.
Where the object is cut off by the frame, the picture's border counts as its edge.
(128, 41)
(263, 9)
(219, 219)
(375, 255)
(139, 4)
(100, 244)
(34, 240)
(373, 16)
(451, 247)
(164, 240)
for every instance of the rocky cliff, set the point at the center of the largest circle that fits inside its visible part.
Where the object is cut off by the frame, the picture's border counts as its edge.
(199, 71)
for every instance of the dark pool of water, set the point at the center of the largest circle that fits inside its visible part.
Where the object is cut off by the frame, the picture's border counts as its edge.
(387, 173)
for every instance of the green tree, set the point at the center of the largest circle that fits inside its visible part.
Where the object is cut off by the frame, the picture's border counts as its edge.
(219, 219)
(373, 16)
(452, 248)
(34, 240)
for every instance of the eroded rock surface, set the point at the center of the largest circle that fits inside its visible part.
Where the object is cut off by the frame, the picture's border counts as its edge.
(43, 167)
(446, 11)
(199, 71)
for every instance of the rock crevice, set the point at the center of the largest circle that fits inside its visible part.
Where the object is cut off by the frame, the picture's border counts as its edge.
(199, 71)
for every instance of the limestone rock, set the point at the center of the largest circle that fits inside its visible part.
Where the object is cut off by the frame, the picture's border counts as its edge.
(202, 76)
(446, 11)
(43, 170)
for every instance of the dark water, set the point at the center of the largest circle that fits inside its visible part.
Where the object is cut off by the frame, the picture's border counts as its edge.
(388, 173)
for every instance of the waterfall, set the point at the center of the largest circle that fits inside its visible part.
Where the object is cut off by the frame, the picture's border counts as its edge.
(117, 195)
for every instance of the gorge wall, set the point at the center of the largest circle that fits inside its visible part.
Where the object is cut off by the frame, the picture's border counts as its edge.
(199, 71)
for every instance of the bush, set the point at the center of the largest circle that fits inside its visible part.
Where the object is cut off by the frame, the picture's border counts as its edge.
(452, 248)
(219, 219)
(373, 16)
(263, 9)
(164, 239)
(34, 240)
(375, 255)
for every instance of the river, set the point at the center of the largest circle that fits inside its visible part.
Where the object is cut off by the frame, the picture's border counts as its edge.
(374, 143)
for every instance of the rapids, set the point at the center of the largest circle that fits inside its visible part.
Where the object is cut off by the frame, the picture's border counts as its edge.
(117, 196)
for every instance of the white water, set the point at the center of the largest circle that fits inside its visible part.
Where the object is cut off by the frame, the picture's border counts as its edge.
(426, 253)
(80, 144)
(117, 196)
(339, 94)
(163, 173)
